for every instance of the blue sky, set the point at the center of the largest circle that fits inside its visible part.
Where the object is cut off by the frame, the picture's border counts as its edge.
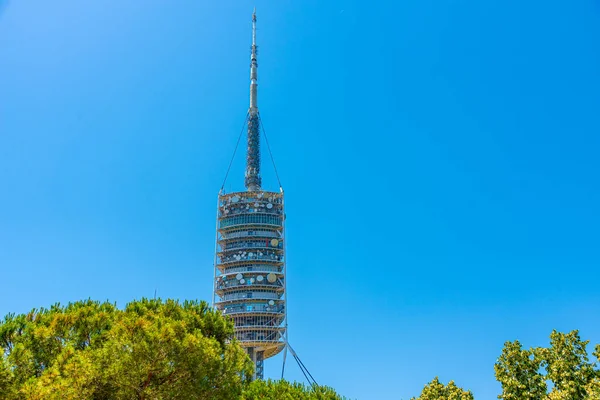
(440, 162)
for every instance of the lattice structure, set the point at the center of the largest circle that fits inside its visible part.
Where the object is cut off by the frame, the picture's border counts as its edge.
(253, 179)
(250, 276)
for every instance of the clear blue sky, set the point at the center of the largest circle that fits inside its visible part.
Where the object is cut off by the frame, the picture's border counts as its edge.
(440, 161)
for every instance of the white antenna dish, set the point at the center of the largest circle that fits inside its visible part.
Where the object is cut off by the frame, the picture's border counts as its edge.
(235, 199)
(256, 204)
(259, 278)
(239, 277)
(242, 281)
(250, 254)
(271, 303)
(269, 206)
(251, 280)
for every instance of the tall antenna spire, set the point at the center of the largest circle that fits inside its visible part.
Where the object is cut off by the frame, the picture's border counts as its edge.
(253, 180)
(250, 266)
(253, 66)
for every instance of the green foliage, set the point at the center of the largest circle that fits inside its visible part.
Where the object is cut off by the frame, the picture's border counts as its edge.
(283, 390)
(150, 350)
(156, 349)
(524, 373)
(565, 363)
(435, 390)
(517, 370)
(6, 385)
(593, 389)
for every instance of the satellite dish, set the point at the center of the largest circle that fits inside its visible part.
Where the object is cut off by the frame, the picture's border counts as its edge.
(242, 281)
(274, 242)
(259, 278)
(269, 206)
(226, 211)
(239, 277)
(256, 204)
(250, 254)
(271, 278)
(251, 280)
(235, 199)
(271, 303)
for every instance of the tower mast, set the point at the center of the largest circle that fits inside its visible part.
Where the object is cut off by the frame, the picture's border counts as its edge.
(252, 176)
(250, 264)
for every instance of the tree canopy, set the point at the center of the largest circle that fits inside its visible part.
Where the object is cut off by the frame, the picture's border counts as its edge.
(561, 371)
(282, 390)
(565, 364)
(151, 349)
(155, 350)
(435, 390)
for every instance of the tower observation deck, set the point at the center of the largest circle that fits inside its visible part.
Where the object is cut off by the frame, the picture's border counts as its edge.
(249, 284)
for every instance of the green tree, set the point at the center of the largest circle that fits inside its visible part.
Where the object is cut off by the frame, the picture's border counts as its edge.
(6, 385)
(567, 365)
(517, 370)
(435, 390)
(593, 389)
(150, 350)
(283, 390)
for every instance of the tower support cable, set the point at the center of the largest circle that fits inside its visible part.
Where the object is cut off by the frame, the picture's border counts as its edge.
(269, 149)
(234, 151)
(284, 357)
(309, 378)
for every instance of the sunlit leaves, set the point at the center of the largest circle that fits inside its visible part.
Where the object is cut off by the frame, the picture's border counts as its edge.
(150, 350)
(283, 390)
(436, 390)
(565, 365)
(517, 369)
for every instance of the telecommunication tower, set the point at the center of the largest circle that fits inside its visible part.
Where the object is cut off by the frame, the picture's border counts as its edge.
(249, 276)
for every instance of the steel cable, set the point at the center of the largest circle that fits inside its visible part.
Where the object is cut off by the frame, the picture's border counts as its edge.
(234, 151)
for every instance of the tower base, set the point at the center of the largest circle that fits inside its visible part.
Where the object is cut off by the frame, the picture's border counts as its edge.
(257, 358)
